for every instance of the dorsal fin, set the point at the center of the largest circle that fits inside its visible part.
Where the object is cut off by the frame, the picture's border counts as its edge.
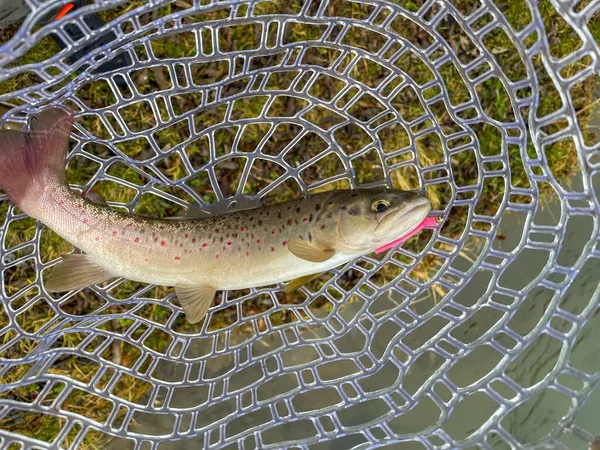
(95, 197)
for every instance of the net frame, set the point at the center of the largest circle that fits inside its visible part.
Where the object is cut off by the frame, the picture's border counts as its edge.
(306, 349)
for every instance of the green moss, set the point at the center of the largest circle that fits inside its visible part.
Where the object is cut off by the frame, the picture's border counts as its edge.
(562, 38)
(178, 45)
(516, 12)
(44, 427)
(47, 427)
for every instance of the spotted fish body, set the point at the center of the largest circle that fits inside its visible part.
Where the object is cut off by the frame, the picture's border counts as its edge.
(233, 251)
(238, 250)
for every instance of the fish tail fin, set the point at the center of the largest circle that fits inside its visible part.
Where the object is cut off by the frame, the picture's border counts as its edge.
(29, 161)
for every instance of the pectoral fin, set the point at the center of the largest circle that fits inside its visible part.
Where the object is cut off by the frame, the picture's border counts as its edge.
(297, 282)
(195, 300)
(75, 272)
(307, 251)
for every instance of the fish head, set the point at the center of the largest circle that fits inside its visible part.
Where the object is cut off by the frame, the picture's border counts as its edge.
(357, 222)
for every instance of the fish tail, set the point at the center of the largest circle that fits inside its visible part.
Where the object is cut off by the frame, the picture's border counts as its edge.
(33, 160)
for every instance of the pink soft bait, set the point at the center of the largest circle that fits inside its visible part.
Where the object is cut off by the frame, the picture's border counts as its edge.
(428, 222)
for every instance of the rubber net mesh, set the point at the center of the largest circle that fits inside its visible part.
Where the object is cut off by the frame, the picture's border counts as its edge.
(471, 334)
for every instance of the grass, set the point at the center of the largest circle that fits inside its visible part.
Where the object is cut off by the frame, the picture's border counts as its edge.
(561, 158)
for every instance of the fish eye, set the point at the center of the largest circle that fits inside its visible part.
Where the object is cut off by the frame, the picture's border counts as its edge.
(380, 205)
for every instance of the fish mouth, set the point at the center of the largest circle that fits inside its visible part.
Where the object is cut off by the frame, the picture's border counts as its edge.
(425, 205)
(417, 211)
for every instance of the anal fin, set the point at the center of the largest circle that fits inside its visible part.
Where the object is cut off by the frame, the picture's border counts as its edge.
(297, 282)
(75, 271)
(195, 300)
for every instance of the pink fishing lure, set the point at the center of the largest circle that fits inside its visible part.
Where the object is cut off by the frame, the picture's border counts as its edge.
(428, 222)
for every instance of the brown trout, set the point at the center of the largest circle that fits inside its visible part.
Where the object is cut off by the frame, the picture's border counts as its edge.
(244, 249)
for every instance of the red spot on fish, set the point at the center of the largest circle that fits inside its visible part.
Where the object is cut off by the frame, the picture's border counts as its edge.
(136, 240)
(247, 253)
(163, 243)
(242, 228)
(97, 238)
(272, 249)
(284, 243)
(80, 206)
(273, 231)
(229, 243)
(61, 203)
(290, 222)
(305, 220)
(217, 256)
(177, 258)
(258, 241)
(130, 224)
(86, 221)
(204, 245)
(146, 259)
(187, 236)
(114, 233)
